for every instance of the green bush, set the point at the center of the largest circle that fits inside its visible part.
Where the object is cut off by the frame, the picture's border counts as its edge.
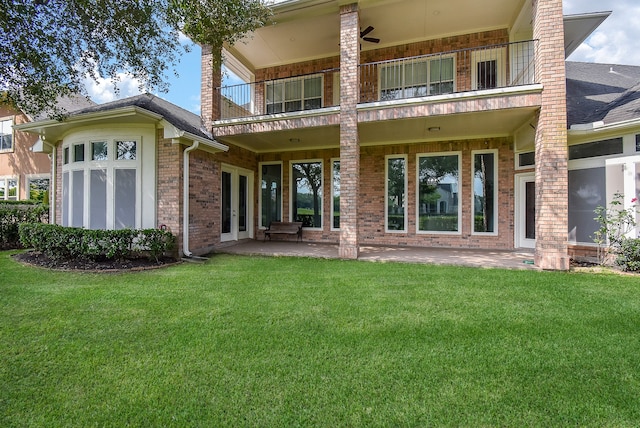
(66, 243)
(12, 213)
(628, 255)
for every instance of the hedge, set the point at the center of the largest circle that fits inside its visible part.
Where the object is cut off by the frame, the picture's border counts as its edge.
(67, 243)
(12, 213)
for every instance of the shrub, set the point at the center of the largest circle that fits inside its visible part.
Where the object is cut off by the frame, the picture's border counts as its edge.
(616, 223)
(12, 213)
(628, 255)
(66, 243)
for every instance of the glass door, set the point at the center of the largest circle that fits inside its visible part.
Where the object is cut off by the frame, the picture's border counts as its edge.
(525, 214)
(236, 189)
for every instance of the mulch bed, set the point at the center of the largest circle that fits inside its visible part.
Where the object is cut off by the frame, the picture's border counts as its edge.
(38, 259)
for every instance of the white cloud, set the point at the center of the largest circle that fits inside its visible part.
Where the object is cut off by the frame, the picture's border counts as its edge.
(615, 41)
(103, 90)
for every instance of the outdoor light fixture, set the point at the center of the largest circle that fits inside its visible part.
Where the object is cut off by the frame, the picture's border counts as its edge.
(294, 140)
(433, 129)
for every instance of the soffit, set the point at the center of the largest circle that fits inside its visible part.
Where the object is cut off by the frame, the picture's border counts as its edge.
(500, 123)
(310, 29)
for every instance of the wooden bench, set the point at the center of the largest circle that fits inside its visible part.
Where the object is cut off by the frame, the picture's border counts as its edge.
(284, 228)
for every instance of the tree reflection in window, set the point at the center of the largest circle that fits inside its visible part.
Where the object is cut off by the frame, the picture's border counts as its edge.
(438, 193)
(307, 193)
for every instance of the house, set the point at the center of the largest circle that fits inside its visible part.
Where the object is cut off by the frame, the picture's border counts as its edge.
(417, 123)
(603, 114)
(25, 174)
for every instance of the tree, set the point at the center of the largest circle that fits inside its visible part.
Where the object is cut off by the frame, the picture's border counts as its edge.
(48, 47)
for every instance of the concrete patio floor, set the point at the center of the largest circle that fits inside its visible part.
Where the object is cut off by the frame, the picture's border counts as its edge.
(508, 259)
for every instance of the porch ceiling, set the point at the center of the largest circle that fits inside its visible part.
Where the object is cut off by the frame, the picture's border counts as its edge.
(310, 29)
(483, 124)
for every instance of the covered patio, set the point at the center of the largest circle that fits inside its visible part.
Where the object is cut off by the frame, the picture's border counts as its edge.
(506, 259)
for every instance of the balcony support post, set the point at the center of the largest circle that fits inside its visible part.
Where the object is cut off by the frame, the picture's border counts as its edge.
(551, 153)
(349, 140)
(209, 94)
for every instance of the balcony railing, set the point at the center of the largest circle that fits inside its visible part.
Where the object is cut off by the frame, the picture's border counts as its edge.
(464, 70)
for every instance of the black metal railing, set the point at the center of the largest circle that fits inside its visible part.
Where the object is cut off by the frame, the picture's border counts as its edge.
(464, 70)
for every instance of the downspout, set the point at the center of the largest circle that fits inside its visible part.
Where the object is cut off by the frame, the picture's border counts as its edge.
(185, 199)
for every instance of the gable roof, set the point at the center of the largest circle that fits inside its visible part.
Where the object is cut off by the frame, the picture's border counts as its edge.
(608, 93)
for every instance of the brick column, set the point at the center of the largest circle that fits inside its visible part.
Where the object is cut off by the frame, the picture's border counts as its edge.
(209, 81)
(349, 144)
(551, 138)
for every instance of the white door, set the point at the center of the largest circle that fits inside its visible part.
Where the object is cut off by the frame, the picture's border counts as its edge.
(525, 212)
(237, 210)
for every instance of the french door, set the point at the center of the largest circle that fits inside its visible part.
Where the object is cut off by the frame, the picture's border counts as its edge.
(525, 212)
(237, 210)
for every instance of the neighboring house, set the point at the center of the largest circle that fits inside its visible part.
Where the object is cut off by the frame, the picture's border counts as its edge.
(23, 173)
(414, 123)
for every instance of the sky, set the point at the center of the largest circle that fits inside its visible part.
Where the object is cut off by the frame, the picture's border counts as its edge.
(614, 42)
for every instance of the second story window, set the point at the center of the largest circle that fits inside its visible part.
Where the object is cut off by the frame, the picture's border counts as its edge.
(416, 78)
(6, 135)
(287, 95)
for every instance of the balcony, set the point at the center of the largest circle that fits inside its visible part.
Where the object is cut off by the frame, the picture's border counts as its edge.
(420, 77)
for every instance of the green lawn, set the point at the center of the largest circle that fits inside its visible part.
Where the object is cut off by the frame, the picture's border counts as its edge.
(285, 342)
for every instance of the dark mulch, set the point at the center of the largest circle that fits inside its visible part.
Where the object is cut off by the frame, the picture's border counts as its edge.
(40, 260)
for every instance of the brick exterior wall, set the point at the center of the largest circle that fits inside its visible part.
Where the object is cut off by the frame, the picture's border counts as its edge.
(371, 195)
(169, 187)
(551, 138)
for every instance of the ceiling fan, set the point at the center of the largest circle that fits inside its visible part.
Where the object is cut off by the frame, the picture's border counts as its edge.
(363, 35)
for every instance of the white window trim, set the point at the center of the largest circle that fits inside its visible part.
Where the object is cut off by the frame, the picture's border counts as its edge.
(520, 167)
(496, 189)
(110, 165)
(5, 179)
(13, 134)
(302, 99)
(333, 161)
(260, 165)
(426, 59)
(386, 193)
(497, 54)
(439, 232)
(292, 190)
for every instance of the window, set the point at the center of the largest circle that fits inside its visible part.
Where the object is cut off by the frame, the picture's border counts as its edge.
(295, 94)
(6, 134)
(99, 151)
(38, 188)
(597, 148)
(417, 78)
(526, 159)
(8, 189)
(438, 193)
(270, 194)
(306, 193)
(126, 150)
(488, 68)
(78, 153)
(100, 187)
(336, 194)
(586, 192)
(396, 192)
(485, 201)
(637, 142)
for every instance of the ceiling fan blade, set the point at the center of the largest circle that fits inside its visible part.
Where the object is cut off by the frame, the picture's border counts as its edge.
(371, 39)
(366, 31)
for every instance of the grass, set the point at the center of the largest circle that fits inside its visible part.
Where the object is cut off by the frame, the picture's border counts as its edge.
(283, 342)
